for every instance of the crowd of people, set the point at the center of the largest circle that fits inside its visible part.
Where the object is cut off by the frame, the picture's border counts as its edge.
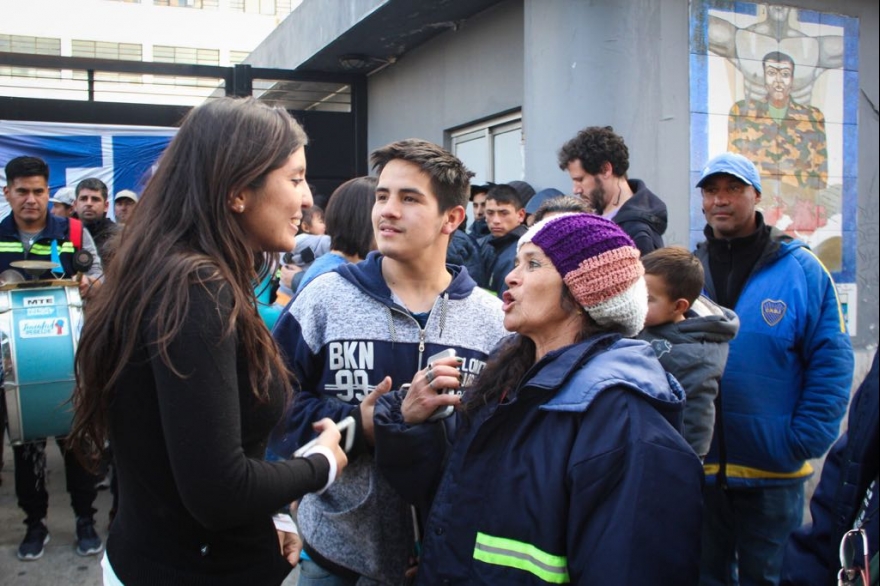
(548, 395)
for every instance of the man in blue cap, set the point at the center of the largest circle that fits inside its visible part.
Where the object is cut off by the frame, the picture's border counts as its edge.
(786, 384)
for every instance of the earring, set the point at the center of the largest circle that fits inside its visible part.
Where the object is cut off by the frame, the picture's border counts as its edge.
(240, 208)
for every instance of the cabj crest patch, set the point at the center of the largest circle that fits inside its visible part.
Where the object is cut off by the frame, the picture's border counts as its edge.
(772, 311)
(661, 346)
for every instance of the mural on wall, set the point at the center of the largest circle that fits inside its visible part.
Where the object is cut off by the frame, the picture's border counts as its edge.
(779, 85)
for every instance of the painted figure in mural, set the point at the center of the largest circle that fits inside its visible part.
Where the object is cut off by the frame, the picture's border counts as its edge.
(777, 127)
(787, 142)
(744, 46)
(785, 139)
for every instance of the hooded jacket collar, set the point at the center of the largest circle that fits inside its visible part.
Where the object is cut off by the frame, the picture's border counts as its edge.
(643, 206)
(511, 237)
(367, 276)
(583, 370)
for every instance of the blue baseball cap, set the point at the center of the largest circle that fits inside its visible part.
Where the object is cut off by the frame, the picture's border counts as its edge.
(732, 164)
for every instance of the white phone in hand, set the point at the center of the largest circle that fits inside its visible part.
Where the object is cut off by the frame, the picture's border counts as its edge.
(346, 428)
(446, 411)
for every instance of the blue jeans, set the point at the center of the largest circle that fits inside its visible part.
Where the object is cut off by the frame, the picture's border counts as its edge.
(745, 531)
(311, 574)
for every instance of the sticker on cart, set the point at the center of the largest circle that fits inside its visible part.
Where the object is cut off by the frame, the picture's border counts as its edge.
(41, 301)
(43, 328)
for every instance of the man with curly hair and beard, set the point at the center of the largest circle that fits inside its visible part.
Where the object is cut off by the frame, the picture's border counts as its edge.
(597, 161)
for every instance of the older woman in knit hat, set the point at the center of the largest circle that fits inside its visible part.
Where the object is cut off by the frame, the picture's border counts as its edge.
(563, 463)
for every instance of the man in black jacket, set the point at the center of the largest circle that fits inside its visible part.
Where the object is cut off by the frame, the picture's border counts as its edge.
(90, 206)
(504, 215)
(597, 161)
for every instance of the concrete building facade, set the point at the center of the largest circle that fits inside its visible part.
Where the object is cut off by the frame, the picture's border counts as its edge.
(549, 68)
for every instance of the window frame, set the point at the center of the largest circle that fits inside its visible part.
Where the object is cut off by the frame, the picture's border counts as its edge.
(488, 128)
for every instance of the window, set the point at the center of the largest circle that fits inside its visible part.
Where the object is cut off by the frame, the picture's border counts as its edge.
(32, 46)
(105, 50)
(236, 57)
(189, 55)
(188, 3)
(267, 7)
(492, 149)
(193, 56)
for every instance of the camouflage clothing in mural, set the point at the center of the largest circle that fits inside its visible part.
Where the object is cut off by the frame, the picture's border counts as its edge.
(793, 150)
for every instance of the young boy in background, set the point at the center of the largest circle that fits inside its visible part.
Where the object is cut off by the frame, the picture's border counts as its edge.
(313, 221)
(505, 215)
(690, 335)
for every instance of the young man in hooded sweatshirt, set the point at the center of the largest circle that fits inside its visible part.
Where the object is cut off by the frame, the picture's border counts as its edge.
(353, 333)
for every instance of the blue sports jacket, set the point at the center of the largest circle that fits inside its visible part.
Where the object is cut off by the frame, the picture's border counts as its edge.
(789, 370)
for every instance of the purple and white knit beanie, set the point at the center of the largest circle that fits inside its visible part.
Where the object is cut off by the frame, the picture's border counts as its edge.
(600, 266)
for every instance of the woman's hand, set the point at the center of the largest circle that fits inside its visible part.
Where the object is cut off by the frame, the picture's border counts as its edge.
(329, 438)
(291, 546)
(430, 388)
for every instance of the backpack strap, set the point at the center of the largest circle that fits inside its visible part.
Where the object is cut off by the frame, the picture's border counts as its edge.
(76, 232)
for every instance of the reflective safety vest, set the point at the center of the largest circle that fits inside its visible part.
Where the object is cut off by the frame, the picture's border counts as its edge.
(57, 243)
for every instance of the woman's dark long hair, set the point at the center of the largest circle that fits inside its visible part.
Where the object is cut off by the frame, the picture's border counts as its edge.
(183, 232)
(507, 366)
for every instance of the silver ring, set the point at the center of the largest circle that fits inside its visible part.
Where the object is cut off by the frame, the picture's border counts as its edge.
(430, 376)
(431, 384)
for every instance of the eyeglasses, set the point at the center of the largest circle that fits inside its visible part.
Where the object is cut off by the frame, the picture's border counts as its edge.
(733, 189)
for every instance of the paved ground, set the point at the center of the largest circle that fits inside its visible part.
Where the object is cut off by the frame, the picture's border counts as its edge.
(60, 565)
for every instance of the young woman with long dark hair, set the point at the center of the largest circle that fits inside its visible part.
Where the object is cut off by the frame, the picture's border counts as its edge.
(176, 369)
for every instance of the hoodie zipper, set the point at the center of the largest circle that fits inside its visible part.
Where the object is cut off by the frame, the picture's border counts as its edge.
(423, 332)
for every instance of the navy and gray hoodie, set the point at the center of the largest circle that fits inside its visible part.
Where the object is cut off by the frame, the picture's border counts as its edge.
(643, 217)
(694, 351)
(341, 336)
